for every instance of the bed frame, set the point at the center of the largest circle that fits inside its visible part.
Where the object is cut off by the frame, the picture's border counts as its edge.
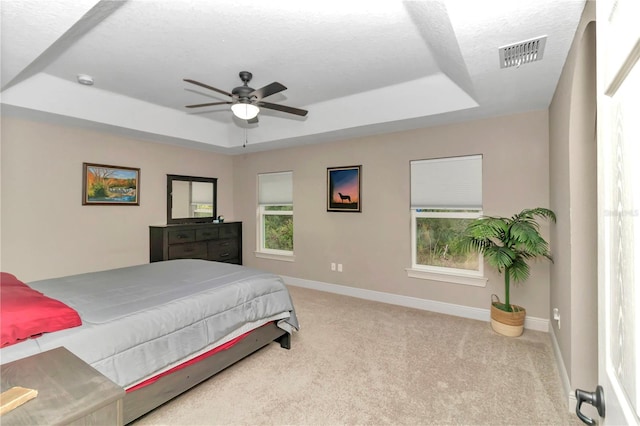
(141, 401)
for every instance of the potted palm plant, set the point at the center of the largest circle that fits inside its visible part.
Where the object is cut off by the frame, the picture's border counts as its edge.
(507, 243)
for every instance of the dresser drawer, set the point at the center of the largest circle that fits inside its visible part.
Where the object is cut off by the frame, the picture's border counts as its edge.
(181, 236)
(188, 251)
(206, 234)
(229, 231)
(223, 249)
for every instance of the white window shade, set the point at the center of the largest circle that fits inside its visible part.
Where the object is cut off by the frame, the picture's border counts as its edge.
(201, 192)
(275, 188)
(447, 183)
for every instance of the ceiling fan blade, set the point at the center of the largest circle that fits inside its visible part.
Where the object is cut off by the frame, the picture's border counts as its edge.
(208, 104)
(268, 90)
(254, 120)
(283, 108)
(206, 86)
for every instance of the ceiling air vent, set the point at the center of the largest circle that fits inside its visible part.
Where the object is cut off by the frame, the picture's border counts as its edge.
(523, 52)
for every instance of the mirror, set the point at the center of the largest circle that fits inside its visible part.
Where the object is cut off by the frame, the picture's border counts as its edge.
(191, 199)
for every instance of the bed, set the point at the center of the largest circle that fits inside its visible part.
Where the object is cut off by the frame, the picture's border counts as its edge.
(161, 328)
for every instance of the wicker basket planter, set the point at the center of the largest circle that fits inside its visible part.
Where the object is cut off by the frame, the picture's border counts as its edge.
(509, 324)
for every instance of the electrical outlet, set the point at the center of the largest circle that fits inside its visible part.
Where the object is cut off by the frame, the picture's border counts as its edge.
(333, 266)
(339, 267)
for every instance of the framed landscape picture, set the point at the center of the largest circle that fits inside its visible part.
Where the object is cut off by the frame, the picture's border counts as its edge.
(110, 185)
(343, 189)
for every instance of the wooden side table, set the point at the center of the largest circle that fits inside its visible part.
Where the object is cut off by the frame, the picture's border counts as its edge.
(70, 391)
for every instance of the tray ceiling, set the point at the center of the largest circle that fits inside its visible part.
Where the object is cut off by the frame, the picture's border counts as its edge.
(358, 67)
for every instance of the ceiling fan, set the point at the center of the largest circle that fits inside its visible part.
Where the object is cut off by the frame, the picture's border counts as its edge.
(246, 102)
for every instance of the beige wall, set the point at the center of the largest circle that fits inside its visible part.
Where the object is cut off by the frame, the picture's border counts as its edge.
(47, 232)
(572, 139)
(374, 246)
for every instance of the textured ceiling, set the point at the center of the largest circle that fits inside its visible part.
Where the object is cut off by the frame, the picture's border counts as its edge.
(358, 67)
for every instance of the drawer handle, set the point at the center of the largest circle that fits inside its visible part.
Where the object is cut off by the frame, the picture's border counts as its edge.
(189, 249)
(224, 255)
(225, 244)
(180, 236)
(206, 234)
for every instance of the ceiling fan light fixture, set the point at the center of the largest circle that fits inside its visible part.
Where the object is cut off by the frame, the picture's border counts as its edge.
(244, 99)
(245, 111)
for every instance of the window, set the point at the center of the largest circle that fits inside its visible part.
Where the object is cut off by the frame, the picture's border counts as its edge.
(275, 216)
(201, 199)
(446, 195)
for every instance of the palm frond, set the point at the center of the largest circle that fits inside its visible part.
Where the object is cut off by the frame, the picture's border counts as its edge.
(487, 228)
(519, 270)
(523, 231)
(540, 212)
(500, 258)
(508, 243)
(530, 241)
(468, 245)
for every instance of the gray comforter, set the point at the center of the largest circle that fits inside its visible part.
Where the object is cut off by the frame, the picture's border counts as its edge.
(139, 320)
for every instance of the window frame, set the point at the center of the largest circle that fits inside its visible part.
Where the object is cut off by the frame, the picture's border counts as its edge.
(261, 213)
(462, 205)
(262, 250)
(440, 273)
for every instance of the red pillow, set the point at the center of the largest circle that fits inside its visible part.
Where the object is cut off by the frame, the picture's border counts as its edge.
(27, 313)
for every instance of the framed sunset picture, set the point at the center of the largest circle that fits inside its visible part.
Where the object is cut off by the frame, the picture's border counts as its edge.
(343, 189)
(110, 185)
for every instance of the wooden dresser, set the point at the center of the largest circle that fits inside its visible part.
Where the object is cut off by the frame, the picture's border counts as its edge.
(221, 242)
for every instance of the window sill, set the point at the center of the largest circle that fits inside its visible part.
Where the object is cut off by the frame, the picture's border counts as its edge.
(275, 256)
(472, 280)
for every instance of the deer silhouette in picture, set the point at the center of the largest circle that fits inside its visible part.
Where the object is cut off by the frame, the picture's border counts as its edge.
(344, 197)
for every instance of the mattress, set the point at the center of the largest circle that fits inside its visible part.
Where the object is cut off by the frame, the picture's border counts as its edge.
(141, 320)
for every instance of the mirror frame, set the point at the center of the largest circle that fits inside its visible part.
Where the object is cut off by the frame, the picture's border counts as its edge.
(171, 179)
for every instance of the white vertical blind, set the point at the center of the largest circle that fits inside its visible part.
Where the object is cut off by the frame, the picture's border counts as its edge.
(447, 183)
(275, 188)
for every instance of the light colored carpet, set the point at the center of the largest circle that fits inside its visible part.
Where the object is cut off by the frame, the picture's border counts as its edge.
(368, 363)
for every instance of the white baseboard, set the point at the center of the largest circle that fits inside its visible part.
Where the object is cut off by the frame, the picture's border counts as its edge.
(531, 323)
(564, 377)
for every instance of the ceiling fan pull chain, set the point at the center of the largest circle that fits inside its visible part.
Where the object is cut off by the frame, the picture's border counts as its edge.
(245, 138)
